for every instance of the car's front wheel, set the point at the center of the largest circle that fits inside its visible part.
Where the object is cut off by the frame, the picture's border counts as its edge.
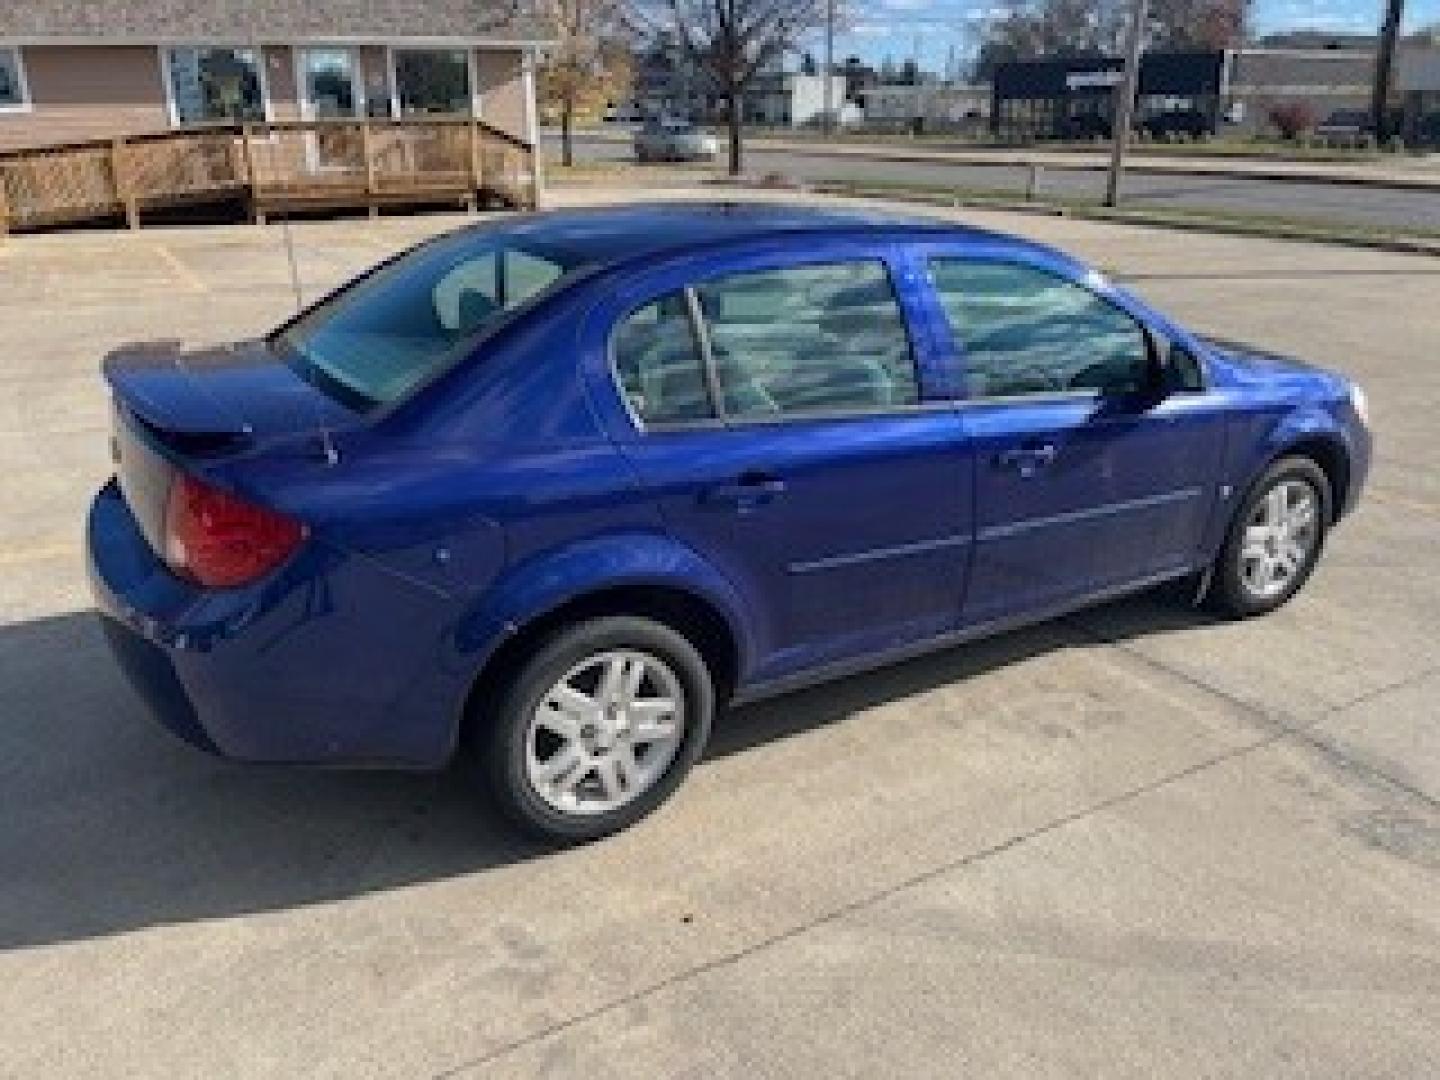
(597, 728)
(1275, 539)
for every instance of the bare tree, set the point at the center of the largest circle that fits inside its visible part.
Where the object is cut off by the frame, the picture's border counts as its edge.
(1051, 28)
(589, 64)
(733, 42)
(1198, 24)
(1095, 28)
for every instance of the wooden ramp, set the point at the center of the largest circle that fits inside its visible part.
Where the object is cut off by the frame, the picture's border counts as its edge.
(269, 168)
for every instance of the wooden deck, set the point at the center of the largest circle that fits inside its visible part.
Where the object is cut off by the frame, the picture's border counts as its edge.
(269, 168)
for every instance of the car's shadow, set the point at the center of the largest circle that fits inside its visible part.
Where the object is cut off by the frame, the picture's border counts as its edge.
(109, 824)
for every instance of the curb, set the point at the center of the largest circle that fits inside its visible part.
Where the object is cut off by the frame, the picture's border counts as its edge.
(1399, 244)
(1133, 163)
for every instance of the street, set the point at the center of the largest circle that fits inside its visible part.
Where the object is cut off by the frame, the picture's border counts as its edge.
(1335, 204)
(1134, 842)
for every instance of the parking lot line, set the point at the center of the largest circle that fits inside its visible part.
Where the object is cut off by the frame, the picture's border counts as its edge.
(187, 277)
(23, 553)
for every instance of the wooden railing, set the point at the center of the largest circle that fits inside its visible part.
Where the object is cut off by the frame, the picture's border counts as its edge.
(269, 167)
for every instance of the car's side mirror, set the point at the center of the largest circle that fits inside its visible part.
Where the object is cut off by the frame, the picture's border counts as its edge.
(1181, 370)
(1175, 369)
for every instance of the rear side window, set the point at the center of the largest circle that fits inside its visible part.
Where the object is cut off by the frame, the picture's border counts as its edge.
(1028, 332)
(808, 339)
(477, 289)
(659, 364)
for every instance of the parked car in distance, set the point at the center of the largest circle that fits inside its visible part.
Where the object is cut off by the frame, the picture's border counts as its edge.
(1184, 125)
(1083, 126)
(670, 139)
(547, 493)
(1346, 128)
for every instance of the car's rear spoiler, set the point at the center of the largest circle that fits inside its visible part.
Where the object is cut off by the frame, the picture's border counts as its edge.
(151, 380)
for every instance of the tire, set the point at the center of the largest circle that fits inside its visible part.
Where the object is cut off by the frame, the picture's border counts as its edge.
(1234, 587)
(515, 749)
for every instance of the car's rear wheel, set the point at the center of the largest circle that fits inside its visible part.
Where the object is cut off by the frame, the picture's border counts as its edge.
(597, 728)
(1274, 541)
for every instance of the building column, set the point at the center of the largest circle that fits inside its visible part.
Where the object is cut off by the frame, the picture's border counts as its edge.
(532, 119)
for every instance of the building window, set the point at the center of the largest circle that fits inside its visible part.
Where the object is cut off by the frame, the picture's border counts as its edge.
(215, 84)
(14, 93)
(432, 81)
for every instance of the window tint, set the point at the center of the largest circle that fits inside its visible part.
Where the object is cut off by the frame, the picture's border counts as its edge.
(827, 338)
(378, 339)
(658, 363)
(467, 296)
(1027, 332)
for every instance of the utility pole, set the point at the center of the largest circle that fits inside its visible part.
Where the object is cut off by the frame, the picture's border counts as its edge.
(829, 71)
(915, 114)
(1125, 108)
(1384, 61)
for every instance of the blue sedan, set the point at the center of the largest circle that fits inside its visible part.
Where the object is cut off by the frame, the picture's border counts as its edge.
(546, 494)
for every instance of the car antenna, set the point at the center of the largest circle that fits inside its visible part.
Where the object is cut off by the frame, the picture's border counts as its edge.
(294, 267)
(327, 443)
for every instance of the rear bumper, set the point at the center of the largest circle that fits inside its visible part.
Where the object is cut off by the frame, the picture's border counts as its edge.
(330, 661)
(151, 672)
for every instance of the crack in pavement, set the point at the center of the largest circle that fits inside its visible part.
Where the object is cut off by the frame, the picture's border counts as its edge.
(1387, 688)
(875, 896)
(1300, 731)
(1276, 729)
(869, 900)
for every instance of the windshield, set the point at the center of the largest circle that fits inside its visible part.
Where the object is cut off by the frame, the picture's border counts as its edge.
(376, 341)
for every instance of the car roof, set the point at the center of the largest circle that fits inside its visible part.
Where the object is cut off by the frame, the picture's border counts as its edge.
(604, 237)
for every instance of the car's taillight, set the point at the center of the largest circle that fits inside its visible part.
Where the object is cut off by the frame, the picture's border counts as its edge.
(221, 541)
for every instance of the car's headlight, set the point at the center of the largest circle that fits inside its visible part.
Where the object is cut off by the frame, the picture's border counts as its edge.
(1360, 403)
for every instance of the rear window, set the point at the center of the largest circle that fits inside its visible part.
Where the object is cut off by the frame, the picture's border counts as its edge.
(376, 341)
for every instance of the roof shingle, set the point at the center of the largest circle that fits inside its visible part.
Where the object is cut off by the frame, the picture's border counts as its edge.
(264, 20)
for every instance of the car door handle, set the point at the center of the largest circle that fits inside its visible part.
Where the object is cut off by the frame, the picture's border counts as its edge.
(1029, 459)
(752, 489)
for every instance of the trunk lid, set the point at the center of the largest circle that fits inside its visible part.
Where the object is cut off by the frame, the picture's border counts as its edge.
(176, 409)
(219, 395)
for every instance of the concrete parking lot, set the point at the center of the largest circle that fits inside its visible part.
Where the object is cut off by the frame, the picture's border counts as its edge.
(1136, 842)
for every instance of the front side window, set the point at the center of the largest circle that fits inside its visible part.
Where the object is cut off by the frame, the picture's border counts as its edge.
(13, 93)
(215, 84)
(1024, 331)
(808, 339)
(659, 364)
(432, 81)
(379, 339)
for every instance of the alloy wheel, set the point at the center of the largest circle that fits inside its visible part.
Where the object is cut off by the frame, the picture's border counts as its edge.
(605, 732)
(1280, 538)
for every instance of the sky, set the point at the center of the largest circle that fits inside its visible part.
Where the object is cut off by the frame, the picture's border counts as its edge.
(899, 28)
